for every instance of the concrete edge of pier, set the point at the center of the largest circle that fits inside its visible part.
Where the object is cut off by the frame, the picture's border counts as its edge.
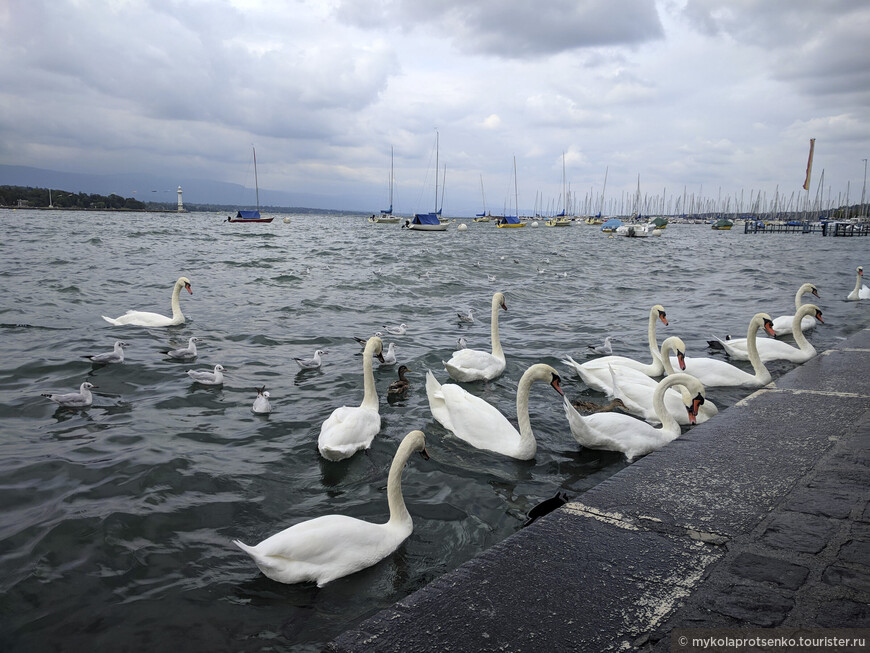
(758, 517)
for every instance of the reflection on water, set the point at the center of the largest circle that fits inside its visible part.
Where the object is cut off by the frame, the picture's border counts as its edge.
(118, 520)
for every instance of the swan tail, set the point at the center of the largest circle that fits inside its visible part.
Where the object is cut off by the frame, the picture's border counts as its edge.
(570, 362)
(110, 320)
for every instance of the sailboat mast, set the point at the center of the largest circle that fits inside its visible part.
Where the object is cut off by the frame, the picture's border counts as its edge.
(516, 195)
(256, 181)
(436, 171)
(391, 178)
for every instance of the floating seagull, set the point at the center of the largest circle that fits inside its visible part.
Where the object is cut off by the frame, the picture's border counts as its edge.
(208, 378)
(541, 270)
(261, 403)
(389, 356)
(80, 399)
(606, 349)
(114, 356)
(491, 278)
(462, 343)
(184, 353)
(397, 330)
(399, 387)
(311, 363)
(466, 317)
(363, 341)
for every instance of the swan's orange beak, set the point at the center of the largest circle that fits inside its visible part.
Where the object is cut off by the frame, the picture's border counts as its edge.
(663, 317)
(681, 359)
(187, 285)
(504, 305)
(697, 402)
(555, 384)
(692, 419)
(768, 326)
(816, 293)
(819, 317)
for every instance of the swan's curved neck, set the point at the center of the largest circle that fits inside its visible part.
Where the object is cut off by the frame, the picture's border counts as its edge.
(493, 331)
(176, 304)
(666, 359)
(858, 279)
(398, 511)
(800, 293)
(798, 333)
(527, 436)
(653, 344)
(761, 372)
(669, 423)
(370, 398)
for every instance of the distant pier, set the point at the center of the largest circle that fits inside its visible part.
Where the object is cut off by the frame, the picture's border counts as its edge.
(824, 228)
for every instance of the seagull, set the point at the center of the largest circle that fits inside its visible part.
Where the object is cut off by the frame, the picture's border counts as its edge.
(208, 378)
(466, 317)
(185, 353)
(540, 270)
(397, 330)
(491, 278)
(114, 356)
(261, 403)
(604, 349)
(80, 399)
(389, 356)
(462, 343)
(363, 341)
(311, 363)
(399, 387)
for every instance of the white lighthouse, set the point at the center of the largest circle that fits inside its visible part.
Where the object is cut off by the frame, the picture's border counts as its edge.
(180, 205)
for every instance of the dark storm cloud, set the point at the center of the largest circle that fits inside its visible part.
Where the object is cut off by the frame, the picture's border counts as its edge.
(517, 28)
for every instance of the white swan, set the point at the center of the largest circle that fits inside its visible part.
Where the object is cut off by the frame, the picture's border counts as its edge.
(476, 365)
(144, 318)
(782, 324)
(349, 429)
(80, 399)
(480, 424)
(631, 436)
(859, 291)
(206, 377)
(333, 546)
(595, 373)
(716, 373)
(637, 391)
(774, 350)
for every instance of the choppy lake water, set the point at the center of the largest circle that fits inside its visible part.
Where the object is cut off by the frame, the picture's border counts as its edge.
(118, 520)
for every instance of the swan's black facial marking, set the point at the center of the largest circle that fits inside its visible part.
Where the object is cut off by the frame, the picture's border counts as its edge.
(555, 383)
(768, 326)
(663, 317)
(424, 454)
(681, 359)
(815, 292)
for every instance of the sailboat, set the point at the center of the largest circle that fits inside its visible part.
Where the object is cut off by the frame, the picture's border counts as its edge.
(428, 221)
(482, 217)
(512, 221)
(561, 219)
(251, 216)
(386, 216)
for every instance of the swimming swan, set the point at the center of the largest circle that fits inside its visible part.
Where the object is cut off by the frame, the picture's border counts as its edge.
(637, 391)
(774, 350)
(782, 324)
(144, 318)
(480, 424)
(350, 429)
(859, 291)
(333, 546)
(476, 365)
(595, 373)
(716, 373)
(631, 436)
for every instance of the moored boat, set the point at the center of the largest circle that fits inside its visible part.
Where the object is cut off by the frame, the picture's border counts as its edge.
(722, 225)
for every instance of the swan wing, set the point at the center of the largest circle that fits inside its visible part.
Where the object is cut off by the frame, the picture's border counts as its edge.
(324, 549)
(143, 318)
(477, 422)
(347, 430)
(474, 365)
(436, 402)
(614, 432)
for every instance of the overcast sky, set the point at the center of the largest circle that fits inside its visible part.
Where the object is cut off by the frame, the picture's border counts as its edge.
(714, 97)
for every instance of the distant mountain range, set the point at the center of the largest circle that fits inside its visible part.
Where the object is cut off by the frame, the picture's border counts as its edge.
(154, 188)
